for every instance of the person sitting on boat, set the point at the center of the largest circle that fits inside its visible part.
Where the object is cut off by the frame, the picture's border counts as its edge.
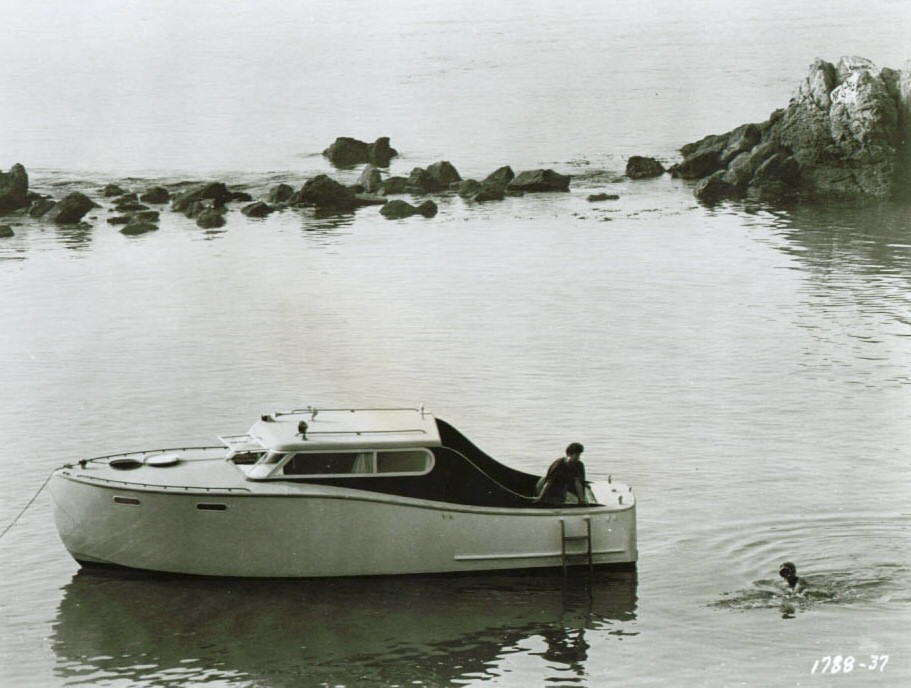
(788, 571)
(565, 479)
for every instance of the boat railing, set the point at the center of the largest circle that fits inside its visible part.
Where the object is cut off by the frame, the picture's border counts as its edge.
(150, 452)
(183, 489)
(314, 411)
(405, 431)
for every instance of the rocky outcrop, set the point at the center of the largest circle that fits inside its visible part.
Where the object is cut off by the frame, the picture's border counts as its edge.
(156, 195)
(140, 216)
(370, 180)
(211, 218)
(640, 167)
(347, 152)
(13, 189)
(129, 203)
(491, 188)
(845, 134)
(41, 206)
(240, 197)
(481, 192)
(438, 177)
(393, 185)
(539, 181)
(71, 209)
(325, 193)
(281, 194)
(398, 209)
(112, 190)
(213, 191)
(257, 209)
(137, 227)
(6, 232)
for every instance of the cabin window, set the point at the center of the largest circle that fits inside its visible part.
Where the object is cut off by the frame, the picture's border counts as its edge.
(324, 463)
(273, 457)
(358, 463)
(414, 461)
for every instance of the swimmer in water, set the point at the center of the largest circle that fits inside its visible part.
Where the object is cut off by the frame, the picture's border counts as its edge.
(788, 571)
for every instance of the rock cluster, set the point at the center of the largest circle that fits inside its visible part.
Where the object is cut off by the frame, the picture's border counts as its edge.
(846, 134)
(207, 203)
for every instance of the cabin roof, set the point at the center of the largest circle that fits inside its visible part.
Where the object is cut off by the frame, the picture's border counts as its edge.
(341, 429)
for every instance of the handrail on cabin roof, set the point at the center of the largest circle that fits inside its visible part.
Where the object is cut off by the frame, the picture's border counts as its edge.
(313, 411)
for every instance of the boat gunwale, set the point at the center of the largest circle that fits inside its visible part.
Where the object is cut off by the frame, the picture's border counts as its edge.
(352, 495)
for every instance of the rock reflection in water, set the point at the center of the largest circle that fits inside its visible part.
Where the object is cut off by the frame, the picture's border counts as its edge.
(361, 632)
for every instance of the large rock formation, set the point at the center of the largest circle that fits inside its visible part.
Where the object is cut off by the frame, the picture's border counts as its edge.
(846, 134)
(13, 189)
(347, 152)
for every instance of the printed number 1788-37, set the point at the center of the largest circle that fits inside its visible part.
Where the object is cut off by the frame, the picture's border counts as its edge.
(838, 664)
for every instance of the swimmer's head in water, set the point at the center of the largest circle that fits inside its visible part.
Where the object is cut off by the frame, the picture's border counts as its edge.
(788, 571)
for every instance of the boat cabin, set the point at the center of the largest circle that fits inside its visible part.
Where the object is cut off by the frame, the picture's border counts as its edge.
(404, 452)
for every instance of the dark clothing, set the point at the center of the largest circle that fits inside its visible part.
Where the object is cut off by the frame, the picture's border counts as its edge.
(561, 478)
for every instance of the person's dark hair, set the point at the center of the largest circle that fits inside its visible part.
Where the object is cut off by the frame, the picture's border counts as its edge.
(574, 448)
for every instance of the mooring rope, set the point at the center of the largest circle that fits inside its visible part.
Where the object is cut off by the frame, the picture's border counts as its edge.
(30, 502)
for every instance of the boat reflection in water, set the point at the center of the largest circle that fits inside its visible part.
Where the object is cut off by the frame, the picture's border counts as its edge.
(377, 631)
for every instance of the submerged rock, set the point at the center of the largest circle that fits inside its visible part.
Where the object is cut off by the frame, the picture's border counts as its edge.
(6, 232)
(257, 209)
(130, 207)
(41, 206)
(141, 216)
(393, 185)
(444, 174)
(398, 209)
(481, 192)
(640, 167)
(347, 152)
(240, 197)
(845, 134)
(281, 194)
(363, 199)
(370, 180)
(71, 209)
(213, 191)
(112, 190)
(156, 195)
(325, 193)
(138, 227)
(539, 181)
(210, 218)
(500, 177)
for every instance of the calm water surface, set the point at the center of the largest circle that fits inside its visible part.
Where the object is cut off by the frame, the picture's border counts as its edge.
(746, 369)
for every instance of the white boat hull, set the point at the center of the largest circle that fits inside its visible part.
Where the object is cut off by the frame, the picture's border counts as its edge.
(300, 530)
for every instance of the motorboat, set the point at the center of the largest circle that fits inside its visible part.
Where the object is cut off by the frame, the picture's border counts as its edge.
(332, 492)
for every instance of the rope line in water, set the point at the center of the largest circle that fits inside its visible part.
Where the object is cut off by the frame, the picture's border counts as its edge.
(30, 502)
